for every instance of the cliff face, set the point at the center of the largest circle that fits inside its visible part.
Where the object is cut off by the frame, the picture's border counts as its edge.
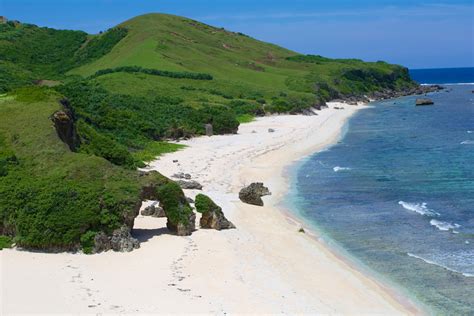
(65, 125)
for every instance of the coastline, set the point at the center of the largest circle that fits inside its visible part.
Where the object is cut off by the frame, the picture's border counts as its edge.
(263, 266)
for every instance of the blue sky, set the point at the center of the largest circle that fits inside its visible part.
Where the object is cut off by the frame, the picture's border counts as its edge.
(417, 34)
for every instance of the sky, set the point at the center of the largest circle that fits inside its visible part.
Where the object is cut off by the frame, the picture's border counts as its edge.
(417, 34)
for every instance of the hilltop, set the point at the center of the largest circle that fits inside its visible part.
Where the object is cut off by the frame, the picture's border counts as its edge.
(81, 112)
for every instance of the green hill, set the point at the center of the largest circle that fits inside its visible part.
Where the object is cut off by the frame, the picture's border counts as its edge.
(123, 93)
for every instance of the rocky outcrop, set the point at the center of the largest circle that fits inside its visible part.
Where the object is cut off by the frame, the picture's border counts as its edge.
(189, 185)
(64, 123)
(180, 217)
(154, 210)
(181, 175)
(183, 228)
(424, 102)
(121, 240)
(253, 193)
(212, 215)
(209, 129)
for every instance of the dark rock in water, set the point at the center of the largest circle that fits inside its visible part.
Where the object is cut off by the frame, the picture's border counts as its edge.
(209, 129)
(424, 102)
(212, 215)
(189, 185)
(253, 193)
(183, 229)
(181, 175)
(154, 211)
(121, 240)
(64, 123)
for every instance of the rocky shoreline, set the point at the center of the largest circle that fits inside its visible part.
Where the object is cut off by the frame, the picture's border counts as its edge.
(389, 94)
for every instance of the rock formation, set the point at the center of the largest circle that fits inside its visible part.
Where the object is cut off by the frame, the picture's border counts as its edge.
(424, 102)
(189, 185)
(253, 193)
(154, 210)
(181, 175)
(212, 215)
(64, 124)
(209, 129)
(121, 240)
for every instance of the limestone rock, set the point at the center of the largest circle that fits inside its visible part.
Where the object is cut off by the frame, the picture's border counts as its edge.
(64, 123)
(121, 240)
(253, 193)
(154, 210)
(181, 175)
(183, 229)
(189, 185)
(424, 102)
(212, 215)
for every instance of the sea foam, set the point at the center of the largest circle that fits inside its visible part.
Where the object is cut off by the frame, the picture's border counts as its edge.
(466, 274)
(337, 168)
(444, 226)
(467, 142)
(418, 208)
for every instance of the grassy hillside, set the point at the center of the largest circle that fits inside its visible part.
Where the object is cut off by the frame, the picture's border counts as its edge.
(53, 198)
(126, 91)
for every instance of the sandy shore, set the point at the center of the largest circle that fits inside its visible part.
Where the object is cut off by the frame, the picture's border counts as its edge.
(263, 266)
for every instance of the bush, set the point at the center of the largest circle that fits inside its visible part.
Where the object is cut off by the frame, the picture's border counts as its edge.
(154, 72)
(174, 203)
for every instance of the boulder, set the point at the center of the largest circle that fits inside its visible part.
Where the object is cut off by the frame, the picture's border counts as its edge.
(121, 240)
(64, 123)
(189, 200)
(212, 215)
(271, 130)
(153, 210)
(183, 228)
(189, 185)
(209, 129)
(181, 175)
(253, 193)
(424, 102)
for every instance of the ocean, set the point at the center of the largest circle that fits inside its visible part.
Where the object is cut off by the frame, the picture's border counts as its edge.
(396, 193)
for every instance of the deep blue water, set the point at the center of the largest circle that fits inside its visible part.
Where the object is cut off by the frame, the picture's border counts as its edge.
(443, 75)
(397, 193)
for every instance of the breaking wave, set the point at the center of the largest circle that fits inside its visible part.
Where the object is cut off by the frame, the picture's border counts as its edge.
(418, 208)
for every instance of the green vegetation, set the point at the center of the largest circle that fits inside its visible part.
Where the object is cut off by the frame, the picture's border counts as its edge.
(155, 149)
(245, 118)
(52, 198)
(5, 242)
(204, 203)
(154, 72)
(174, 203)
(128, 90)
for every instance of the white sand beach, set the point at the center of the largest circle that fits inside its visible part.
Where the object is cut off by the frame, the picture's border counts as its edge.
(263, 266)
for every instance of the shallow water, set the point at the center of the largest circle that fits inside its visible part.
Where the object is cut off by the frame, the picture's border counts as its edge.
(397, 193)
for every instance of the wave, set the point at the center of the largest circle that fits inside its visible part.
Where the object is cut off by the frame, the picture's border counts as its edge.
(418, 208)
(440, 265)
(444, 226)
(337, 168)
(449, 84)
(470, 132)
(467, 142)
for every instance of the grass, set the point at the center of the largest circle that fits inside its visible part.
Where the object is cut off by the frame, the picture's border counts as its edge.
(55, 199)
(156, 149)
(5, 242)
(245, 118)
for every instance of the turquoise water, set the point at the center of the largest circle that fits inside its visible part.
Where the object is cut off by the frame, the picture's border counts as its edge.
(397, 193)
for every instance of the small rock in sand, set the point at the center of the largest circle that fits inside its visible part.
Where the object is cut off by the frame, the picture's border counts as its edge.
(271, 130)
(189, 185)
